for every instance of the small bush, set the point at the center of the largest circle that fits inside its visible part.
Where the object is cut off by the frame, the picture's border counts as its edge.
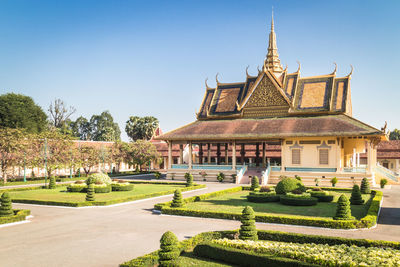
(316, 181)
(177, 201)
(297, 177)
(248, 228)
(343, 211)
(383, 182)
(255, 184)
(157, 175)
(365, 188)
(265, 189)
(90, 193)
(102, 177)
(288, 185)
(6, 205)
(189, 179)
(52, 184)
(234, 176)
(169, 250)
(220, 177)
(356, 198)
(334, 181)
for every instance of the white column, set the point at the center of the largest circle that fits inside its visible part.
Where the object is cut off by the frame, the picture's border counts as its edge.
(338, 156)
(282, 156)
(264, 152)
(234, 155)
(396, 165)
(190, 155)
(358, 159)
(226, 154)
(165, 163)
(169, 154)
(369, 157)
(354, 164)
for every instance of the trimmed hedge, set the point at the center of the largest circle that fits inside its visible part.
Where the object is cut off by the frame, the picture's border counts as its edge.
(121, 187)
(82, 188)
(297, 201)
(19, 215)
(261, 197)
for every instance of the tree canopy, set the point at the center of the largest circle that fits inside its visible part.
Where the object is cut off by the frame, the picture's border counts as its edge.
(104, 128)
(59, 113)
(20, 111)
(394, 135)
(141, 128)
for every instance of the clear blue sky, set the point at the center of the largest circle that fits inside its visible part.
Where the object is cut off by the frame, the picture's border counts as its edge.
(151, 57)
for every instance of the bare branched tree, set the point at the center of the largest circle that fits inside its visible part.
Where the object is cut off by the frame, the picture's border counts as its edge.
(59, 112)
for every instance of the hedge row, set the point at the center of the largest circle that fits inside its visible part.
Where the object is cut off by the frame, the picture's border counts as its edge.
(106, 202)
(127, 173)
(19, 215)
(366, 222)
(37, 187)
(292, 201)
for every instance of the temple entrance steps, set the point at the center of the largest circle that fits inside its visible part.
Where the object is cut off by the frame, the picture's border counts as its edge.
(211, 175)
(252, 171)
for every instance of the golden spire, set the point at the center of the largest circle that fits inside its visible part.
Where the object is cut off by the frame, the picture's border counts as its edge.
(272, 61)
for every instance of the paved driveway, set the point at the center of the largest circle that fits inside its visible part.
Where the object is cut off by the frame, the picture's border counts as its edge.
(107, 236)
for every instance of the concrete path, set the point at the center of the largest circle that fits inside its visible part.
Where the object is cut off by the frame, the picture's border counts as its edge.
(107, 236)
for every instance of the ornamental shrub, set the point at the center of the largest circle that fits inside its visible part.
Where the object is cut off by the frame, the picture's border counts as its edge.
(157, 175)
(265, 189)
(189, 179)
(334, 181)
(101, 177)
(177, 201)
(169, 250)
(343, 211)
(365, 188)
(52, 183)
(90, 193)
(248, 228)
(383, 182)
(356, 198)
(255, 184)
(220, 177)
(6, 206)
(288, 185)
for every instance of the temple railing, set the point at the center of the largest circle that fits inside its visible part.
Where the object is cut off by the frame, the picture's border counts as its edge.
(361, 169)
(203, 167)
(276, 168)
(386, 172)
(266, 174)
(309, 169)
(240, 173)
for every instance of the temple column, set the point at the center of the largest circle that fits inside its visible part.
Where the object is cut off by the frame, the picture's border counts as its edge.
(165, 163)
(263, 155)
(234, 155)
(218, 153)
(169, 154)
(209, 153)
(257, 154)
(242, 153)
(200, 153)
(226, 154)
(358, 159)
(282, 156)
(190, 155)
(354, 158)
(180, 154)
(396, 165)
(369, 157)
(338, 156)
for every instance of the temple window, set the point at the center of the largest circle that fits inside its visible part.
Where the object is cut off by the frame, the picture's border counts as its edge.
(296, 156)
(324, 156)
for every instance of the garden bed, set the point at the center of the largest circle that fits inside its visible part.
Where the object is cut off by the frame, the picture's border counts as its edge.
(228, 204)
(60, 196)
(19, 215)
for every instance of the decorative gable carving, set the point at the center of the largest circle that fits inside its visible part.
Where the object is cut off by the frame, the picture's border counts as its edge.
(266, 95)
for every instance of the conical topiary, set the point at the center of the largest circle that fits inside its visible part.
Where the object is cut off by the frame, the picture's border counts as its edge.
(343, 211)
(177, 201)
(52, 183)
(169, 250)
(6, 206)
(189, 179)
(365, 188)
(90, 193)
(248, 228)
(254, 183)
(356, 198)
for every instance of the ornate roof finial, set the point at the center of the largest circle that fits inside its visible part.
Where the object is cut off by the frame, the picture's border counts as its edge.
(258, 68)
(334, 71)
(351, 72)
(247, 71)
(207, 87)
(298, 69)
(216, 78)
(272, 61)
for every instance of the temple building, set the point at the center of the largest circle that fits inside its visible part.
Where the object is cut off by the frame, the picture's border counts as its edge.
(241, 125)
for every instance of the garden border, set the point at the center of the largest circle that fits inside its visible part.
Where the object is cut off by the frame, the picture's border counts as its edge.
(367, 222)
(19, 215)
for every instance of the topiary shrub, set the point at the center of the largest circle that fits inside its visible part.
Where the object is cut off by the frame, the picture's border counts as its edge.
(334, 181)
(383, 182)
(287, 185)
(189, 179)
(365, 188)
(90, 192)
(177, 201)
(356, 198)
(248, 228)
(220, 177)
(255, 184)
(99, 177)
(343, 211)
(169, 250)
(52, 184)
(265, 188)
(6, 205)
(157, 175)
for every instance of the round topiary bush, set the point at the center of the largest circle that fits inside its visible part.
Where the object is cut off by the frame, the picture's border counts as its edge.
(247, 229)
(99, 177)
(287, 185)
(365, 188)
(90, 193)
(356, 198)
(52, 184)
(255, 183)
(189, 179)
(6, 205)
(177, 201)
(169, 250)
(343, 211)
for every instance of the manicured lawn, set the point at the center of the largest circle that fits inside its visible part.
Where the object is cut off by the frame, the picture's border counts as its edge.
(61, 194)
(235, 202)
(189, 259)
(40, 181)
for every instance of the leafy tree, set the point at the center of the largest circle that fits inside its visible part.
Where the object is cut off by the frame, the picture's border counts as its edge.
(19, 111)
(81, 128)
(6, 205)
(141, 128)
(365, 188)
(141, 152)
(394, 135)
(12, 147)
(343, 211)
(88, 157)
(90, 193)
(59, 113)
(103, 127)
(177, 201)
(247, 229)
(254, 183)
(119, 153)
(169, 250)
(356, 198)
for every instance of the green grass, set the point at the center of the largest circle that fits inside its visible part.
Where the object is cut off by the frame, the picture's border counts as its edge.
(61, 194)
(235, 202)
(40, 181)
(189, 259)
